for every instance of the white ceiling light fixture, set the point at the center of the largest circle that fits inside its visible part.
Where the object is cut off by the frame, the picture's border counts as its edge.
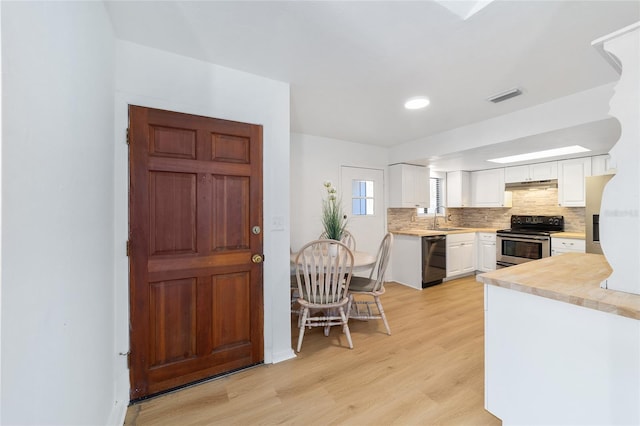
(566, 150)
(418, 102)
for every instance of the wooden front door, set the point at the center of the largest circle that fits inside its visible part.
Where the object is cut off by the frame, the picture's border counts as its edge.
(195, 196)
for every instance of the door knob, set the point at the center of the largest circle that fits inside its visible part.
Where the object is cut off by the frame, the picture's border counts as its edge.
(257, 258)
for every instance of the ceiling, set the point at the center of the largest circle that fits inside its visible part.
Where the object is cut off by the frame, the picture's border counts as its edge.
(352, 64)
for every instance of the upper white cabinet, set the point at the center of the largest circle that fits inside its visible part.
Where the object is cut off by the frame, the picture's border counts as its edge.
(531, 172)
(571, 187)
(459, 189)
(409, 186)
(487, 189)
(601, 165)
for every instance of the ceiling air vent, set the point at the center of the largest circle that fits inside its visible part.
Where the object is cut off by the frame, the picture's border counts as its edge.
(505, 95)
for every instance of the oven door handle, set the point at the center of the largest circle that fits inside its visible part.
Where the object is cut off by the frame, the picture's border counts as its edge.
(528, 238)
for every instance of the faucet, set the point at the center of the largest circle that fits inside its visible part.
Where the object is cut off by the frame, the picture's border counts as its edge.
(435, 217)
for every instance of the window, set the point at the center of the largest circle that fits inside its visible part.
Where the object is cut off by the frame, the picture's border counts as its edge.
(436, 185)
(437, 200)
(362, 197)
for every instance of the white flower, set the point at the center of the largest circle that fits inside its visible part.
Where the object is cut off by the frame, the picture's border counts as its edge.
(327, 184)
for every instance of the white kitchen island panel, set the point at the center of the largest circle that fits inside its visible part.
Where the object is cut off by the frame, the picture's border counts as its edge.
(551, 362)
(406, 261)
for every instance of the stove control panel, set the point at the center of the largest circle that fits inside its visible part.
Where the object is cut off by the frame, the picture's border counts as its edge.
(552, 223)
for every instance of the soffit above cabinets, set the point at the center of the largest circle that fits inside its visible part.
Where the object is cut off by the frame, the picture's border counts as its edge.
(598, 136)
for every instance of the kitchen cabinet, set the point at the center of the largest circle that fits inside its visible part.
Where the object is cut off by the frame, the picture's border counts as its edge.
(601, 165)
(461, 254)
(487, 189)
(459, 189)
(486, 251)
(531, 172)
(571, 186)
(409, 186)
(567, 245)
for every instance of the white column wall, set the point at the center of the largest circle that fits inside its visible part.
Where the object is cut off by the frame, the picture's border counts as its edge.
(315, 160)
(158, 79)
(620, 212)
(58, 354)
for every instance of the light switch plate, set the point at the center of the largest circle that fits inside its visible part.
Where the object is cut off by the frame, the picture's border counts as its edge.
(277, 223)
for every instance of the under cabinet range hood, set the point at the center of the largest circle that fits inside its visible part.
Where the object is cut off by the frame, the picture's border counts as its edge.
(532, 184)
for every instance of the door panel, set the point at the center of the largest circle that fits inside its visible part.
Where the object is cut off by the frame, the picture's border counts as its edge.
(230, 213)
(174, 143)
(172, 213)
(368, 229)
(232, 327)
(172, 324)
(195, 295)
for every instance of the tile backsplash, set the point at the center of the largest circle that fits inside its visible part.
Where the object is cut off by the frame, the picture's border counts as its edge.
(542, 202)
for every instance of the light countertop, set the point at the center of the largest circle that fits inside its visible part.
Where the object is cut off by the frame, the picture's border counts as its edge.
(429, 232)
(572, 278)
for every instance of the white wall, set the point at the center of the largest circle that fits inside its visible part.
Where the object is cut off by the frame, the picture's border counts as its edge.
(153, 78)
(315, 160)
(65, 202)
(57, 214)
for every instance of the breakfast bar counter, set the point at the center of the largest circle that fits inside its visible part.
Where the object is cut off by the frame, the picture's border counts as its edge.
(558, 348)
(572, 278)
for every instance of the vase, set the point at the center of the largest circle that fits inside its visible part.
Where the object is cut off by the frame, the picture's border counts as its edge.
(333, 249)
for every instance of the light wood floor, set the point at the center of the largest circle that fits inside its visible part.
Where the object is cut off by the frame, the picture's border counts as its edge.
(429, 371)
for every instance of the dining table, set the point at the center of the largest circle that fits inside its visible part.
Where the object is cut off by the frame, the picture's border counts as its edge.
(362, 260)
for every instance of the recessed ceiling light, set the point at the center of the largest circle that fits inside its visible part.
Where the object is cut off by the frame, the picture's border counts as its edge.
(416, 103)
(573, 149)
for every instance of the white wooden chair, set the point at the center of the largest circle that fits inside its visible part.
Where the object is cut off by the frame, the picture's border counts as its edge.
(347, 238)
(371, 288)
(323, 277)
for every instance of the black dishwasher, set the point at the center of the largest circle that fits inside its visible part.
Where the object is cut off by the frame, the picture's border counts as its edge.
(434, 260)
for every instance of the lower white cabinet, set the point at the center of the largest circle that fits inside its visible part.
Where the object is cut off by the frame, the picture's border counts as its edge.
(461, 254)
(567, 245)
(486, 251)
